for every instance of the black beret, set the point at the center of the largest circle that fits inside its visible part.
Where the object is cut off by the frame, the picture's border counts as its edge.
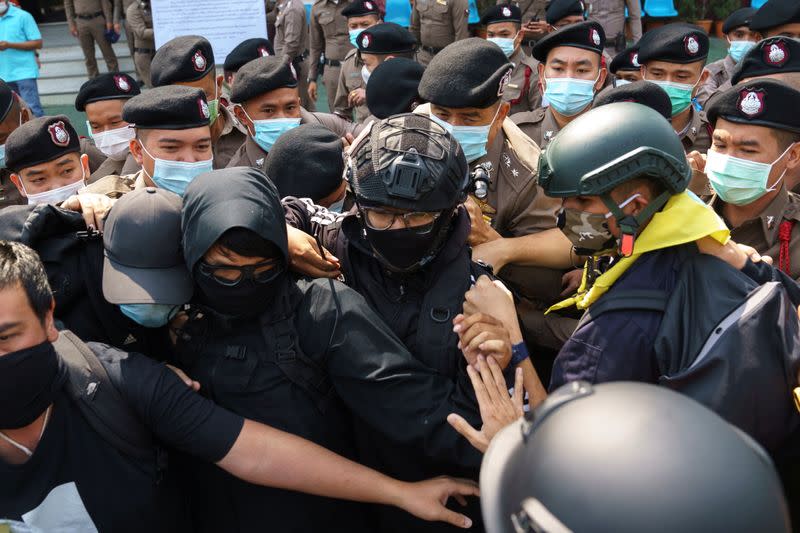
(109, 86)
(467, 73)
(183, 59)
(40, 140)
(502, 13)
(761, 102)
(261, 76)
(393, 86)
(775, 13)
(246, 51)
(306, 162)
(386, 38)
(558, 9)
(640, 92)
(737, 19)
(674, 43)
(586, 35)
(626, 60)
(6, 100)
(770, 56)
(174, 107)
(360, 8)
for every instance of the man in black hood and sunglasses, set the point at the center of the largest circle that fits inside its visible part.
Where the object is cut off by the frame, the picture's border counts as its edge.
(300, 355)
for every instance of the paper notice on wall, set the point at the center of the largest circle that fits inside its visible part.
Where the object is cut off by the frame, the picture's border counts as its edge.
(224, 24)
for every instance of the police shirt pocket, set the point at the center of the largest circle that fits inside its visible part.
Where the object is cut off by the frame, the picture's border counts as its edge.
(423, 5)
(325, 18)
(234, 370)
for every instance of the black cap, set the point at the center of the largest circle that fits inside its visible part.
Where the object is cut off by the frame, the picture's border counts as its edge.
(762, 102)
(360, 8)
(386, 38)
(183, 59)
(6, 100)
(775, 13)
(770, 56)
(737, 19)
(261, 76)
(306, 162)
(502, 13)
(640, 92)
(40, 140)
(558, 9)
(246, 51)
(586, 35)
(674, 43)
(393, 86)
(109, 86)
(143, 259)
(173, 107)
(468, 73)
(627, 60)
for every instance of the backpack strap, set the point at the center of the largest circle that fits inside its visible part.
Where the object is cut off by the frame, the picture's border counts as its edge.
(785, 237)
(103, 407)
(644, 300)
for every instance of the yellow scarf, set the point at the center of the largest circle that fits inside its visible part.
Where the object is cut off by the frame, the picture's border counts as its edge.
(684, 218)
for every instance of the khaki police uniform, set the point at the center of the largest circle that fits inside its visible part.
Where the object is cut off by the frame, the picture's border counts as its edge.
(96, 157)
(329, 35)
(121, 15)
(349, 80)
(774, 232)
(437, 23)
(719, 73)
(539, 124)
(611, 15)
(291, 38)
(140, 21)
(697, 134)
(89, 17)
(230, 140)
(250, 154)
(109, 167)
(522, 90)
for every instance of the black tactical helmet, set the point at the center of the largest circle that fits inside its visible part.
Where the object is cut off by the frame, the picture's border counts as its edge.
(408, 162)
(608, 146)
(627, 457)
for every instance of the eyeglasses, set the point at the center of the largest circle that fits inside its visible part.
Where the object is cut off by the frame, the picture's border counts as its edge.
(381, 219)
(230, 276)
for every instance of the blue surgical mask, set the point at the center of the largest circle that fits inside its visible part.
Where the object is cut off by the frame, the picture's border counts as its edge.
(738, 49)
(149, 315)
(569, 96)
(268, 131)
(2, 156)
(739, 181)
(175, 176)
(505, 44)
(353, 36)
(619, 82)
(473, 139)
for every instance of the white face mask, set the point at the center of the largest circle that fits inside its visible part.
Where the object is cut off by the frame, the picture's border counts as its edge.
(113, 143)
(365, 73)
(56, 196)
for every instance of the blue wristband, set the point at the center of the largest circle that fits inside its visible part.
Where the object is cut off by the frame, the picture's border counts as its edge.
(519, 353)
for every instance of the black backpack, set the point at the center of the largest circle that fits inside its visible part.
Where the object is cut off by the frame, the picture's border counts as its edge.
(727, 342)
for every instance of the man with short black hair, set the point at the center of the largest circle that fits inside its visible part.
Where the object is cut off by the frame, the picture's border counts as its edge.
(243, 53)
(625, 66)
(777, 18)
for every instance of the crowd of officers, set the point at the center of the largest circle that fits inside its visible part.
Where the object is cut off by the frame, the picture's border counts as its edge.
(233, 257)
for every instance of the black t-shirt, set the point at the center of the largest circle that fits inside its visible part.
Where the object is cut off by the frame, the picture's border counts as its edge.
(76, 481)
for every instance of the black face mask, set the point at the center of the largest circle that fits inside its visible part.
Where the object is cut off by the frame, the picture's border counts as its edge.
(245, 299)
(29, 381)
(406, 250)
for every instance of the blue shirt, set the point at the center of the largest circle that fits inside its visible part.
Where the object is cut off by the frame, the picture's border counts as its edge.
(16, 26)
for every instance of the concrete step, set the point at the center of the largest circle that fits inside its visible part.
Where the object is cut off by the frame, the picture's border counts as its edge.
(73, 53)
(66, 69)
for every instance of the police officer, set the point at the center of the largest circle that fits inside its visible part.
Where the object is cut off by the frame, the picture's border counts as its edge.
(437, 23)
(776, 57)
(394, 88)
(121, 14)
(756, 145)
(562, 13)
(267, 102)
(350, 89)
(291, 42)
(611, 15)
(88, 20)
(740, 40)
(625, 66)
(139, 18)
(571, 71)
(102, 99)
(329, 36)
(777, 18)
(294, 353)
(189, 61)
(673, 57)
(172, 144)
(641, 92)
(12, 115)
(503, 28)
(242, 54)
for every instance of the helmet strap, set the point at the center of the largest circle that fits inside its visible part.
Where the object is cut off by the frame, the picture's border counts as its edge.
(629, 224)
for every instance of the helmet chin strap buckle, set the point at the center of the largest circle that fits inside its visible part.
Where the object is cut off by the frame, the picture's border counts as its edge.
(626, 244)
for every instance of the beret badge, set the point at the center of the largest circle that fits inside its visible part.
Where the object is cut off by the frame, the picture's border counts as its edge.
(751, 102)
(199, 61)
(122, 84)
(776, 54)
(58, 133)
